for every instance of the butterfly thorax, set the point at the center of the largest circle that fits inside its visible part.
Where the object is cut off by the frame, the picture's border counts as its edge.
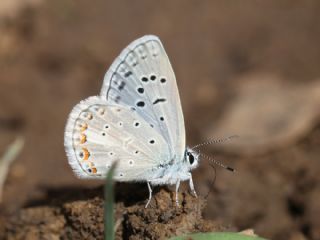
(175, 170)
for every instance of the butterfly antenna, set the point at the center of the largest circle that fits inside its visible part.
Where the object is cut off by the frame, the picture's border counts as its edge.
(218, 163)
(213, 141)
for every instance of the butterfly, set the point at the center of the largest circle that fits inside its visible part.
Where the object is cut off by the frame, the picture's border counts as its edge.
(136, 121)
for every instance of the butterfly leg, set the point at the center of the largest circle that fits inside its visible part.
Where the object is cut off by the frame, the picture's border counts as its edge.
(177, 189)
(192, 186)
(150, 194)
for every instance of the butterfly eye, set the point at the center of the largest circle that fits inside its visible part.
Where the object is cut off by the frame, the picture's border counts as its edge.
(191, 158)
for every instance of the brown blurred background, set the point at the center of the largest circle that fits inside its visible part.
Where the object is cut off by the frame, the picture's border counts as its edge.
(250, 68)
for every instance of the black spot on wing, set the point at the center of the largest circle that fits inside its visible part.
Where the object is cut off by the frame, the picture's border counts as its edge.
(163, 80)
(136, 124)
(121, 86)
(140, 104)
(117, 99)
(127, 74)
(140, 90)
(159, 100)
(140, 50)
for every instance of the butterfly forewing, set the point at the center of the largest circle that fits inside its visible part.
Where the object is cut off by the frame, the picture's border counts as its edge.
(142, 79)
(99, 133)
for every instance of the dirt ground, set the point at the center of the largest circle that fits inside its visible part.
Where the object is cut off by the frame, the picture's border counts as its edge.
(246, 68)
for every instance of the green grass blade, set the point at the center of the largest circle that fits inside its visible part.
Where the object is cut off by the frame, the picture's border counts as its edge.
(5, 161)
(217, 236)
(109, 205)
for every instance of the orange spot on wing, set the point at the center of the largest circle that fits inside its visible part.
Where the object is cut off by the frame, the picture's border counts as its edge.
(94, 170)
(83, 138)
(86, 154)
(83, 127)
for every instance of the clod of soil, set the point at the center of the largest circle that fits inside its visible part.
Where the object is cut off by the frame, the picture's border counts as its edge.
(70, 216)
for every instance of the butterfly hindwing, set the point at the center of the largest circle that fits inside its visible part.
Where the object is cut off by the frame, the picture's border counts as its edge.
(142, 79)
(99, 133)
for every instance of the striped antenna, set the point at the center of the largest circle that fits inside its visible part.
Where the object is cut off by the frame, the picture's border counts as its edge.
(213, 141)
(218, 163)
